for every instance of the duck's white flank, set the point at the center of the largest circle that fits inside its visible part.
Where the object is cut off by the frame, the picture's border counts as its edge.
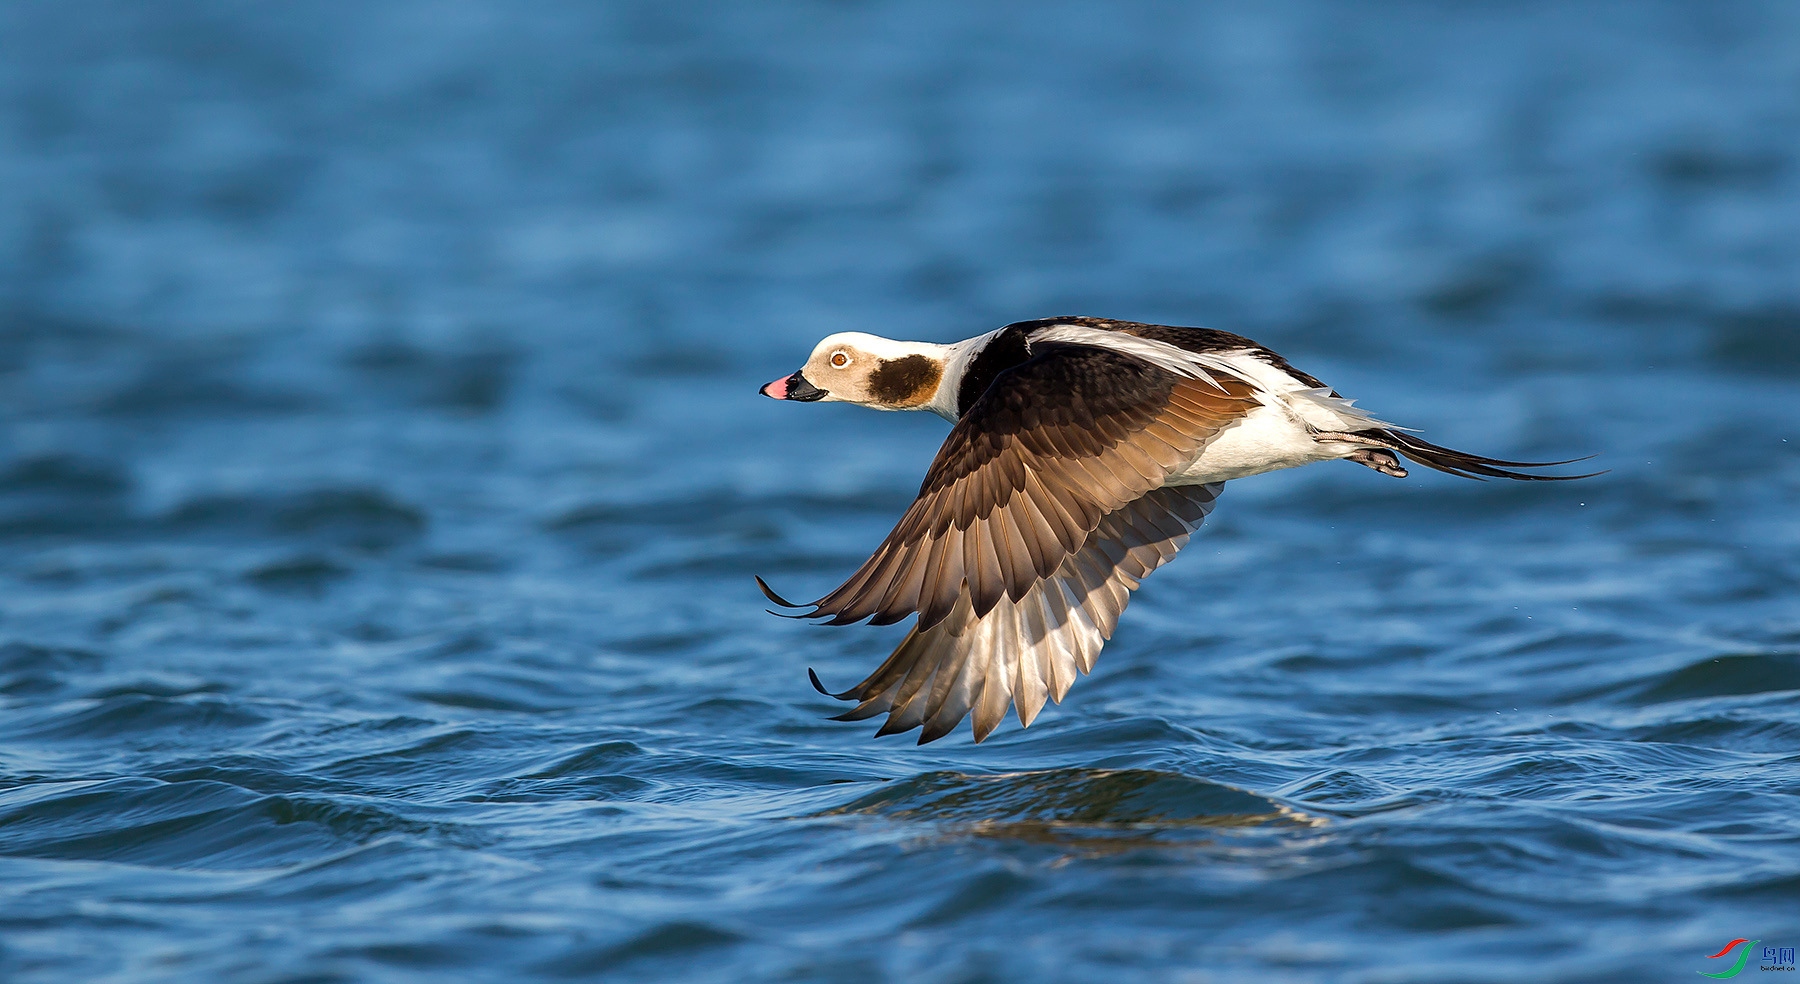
(1279, 434)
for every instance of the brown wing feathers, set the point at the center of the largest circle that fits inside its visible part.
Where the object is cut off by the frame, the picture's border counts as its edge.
(1053, 446)
(1025, 652)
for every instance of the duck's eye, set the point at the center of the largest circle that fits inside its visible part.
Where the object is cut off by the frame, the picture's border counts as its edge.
(839, 360)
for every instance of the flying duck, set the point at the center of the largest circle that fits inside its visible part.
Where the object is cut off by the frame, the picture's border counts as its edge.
(1083, 453)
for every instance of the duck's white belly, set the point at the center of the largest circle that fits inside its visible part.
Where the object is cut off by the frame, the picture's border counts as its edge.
(1268, 439)
(1278, 434)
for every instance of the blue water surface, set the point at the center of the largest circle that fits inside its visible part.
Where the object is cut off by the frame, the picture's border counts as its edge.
(382, 476)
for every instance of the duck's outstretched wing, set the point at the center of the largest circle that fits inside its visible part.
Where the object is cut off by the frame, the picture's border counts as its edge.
(1055, 445)
(1023, 651)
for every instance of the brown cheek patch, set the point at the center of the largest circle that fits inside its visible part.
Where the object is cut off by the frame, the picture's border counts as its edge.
(905, 382)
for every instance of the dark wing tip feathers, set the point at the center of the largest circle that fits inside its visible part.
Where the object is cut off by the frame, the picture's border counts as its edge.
(770, 594)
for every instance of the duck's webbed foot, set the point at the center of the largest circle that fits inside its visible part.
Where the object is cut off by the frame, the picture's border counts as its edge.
(1380, 459)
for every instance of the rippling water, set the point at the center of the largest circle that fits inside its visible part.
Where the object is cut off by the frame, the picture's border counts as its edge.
(382, 478)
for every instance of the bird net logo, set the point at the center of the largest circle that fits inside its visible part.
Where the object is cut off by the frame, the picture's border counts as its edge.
(1773, 958)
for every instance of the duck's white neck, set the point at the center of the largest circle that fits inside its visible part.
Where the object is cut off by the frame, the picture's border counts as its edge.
(955, 359)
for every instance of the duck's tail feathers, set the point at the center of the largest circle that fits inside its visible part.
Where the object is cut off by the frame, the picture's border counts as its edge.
(1465, 465)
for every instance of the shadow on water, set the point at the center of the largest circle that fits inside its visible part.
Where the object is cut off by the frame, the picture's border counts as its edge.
(1111, 808)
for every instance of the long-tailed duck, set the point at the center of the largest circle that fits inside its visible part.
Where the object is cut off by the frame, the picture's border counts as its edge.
(1084, 452)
